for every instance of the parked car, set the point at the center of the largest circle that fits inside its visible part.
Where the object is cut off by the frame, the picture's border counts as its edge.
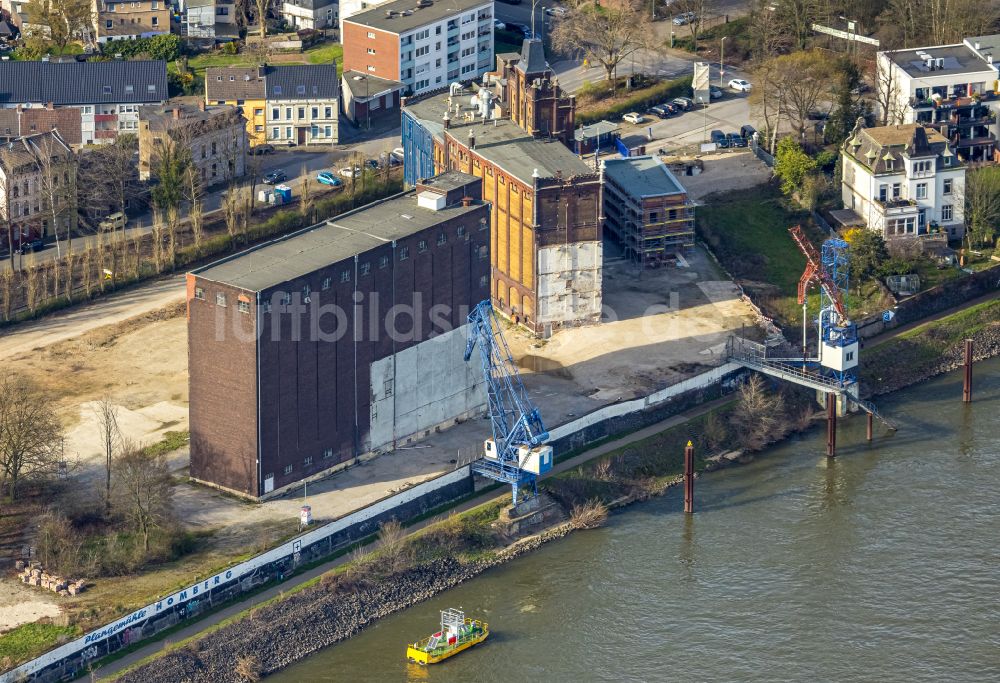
(31, 246)
(262, 149)
(499, 25)
(350, 171)
(719, 138)
(747, 131)
(714, 92)
(684, 103)
(520, 28)
(634, 117)
(736, 140)
(659, 111)
(684, 18)
(817, 115)
(327, 178)
(740, 85)
(556, 11)
(274, 177)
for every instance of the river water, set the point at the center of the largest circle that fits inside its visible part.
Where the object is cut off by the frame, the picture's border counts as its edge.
(882, 565)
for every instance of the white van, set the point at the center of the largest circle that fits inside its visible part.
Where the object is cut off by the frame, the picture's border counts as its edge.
(115, 221)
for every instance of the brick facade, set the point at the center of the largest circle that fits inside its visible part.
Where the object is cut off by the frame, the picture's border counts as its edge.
(357, 42)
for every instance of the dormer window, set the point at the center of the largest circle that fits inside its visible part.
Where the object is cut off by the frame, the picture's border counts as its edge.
(129, 89)
(300, 90)
(151, 88)
(277, 90)
(106, 89)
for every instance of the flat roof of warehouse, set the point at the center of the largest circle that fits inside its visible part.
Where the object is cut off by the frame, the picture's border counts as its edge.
(348, 235)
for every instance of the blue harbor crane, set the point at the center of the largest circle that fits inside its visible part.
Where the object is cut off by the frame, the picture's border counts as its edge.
(516, 454)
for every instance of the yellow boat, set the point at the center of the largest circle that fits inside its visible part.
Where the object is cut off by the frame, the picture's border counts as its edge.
(457, 633)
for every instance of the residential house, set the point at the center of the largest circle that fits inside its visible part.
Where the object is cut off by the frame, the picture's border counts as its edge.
(646, 210)
(130, 19)
(100, 99)
(348, 8)
(38, 172)
(282, 104)
(368, 99)
(215, 137)
(903, 181)
(310, 14)
(426, 45)
(210, 20)
(952, 88)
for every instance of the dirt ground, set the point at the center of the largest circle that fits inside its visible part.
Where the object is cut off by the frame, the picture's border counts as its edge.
(723, 172)
(658, 328)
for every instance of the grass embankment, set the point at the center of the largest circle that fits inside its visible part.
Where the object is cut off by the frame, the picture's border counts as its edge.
(601, 101)
(29, 640)
(736, 33)
(917, 353)
(748, 232)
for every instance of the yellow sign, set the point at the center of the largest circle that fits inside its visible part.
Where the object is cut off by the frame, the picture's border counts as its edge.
(689, 443)
(108, 274)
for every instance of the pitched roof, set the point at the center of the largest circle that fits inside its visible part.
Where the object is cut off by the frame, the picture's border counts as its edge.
(28, 149)
(68, 83)
(407, 15)
(234, 83)
(532, 57)
(876, 148)
(303, 81)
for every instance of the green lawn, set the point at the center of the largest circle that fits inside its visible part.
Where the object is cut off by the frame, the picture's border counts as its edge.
(31, 640)
(322, 53)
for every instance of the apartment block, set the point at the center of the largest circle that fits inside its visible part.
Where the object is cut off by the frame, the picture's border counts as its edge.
(310, 14)
(130, 19)
(951, 88)
(297, 105)
(297, 366)
(214, 137)
(99, 99)
(210, 20)
(425, 45)
(646, 210)
(903, 181)
(38, 186)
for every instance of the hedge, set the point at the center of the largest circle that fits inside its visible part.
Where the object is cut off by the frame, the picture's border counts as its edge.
(639, 102)
(167, 47)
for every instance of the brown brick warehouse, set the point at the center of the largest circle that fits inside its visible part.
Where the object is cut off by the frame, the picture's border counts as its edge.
(337, 341)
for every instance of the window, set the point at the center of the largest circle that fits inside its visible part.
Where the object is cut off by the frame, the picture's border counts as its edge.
(371, 34)
(328, 131)
(302, 112)
(306, 291)
(277, 90)
(286, 298)
(267, 306)
(371, 68)
(326, 283)
(220, 299)
(258, 129)
(109, 24)
(129, 89)
(243, 306)
(275, 113)
(308, 460)
(315, 112)
(203, 152)
(460, 231)
(947, 212)
(442, 239)
(288, 130)
(345, 276)
(156, 21)
(421, 35)
(897, 190)
(275, 132)
(366, 268)
(850, 355)
(948, 184)
(921, 190)
(199, 293)
(383, 261)
(421, 51)
(371, 50)
(483, 253)
(422, 246)
(288, 469)
(404, 253)
(300, 90)
(327, 453)
(327, 113)
(106, 89)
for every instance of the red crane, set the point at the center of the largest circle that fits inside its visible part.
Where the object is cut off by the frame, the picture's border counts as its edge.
(814, 272)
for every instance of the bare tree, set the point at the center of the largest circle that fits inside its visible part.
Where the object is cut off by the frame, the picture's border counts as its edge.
(106, 412)
(695, 17)
(801, 80)
(232, 207)
(888, 98)
(758, 413)
(194, 195)
(767, 100)
(262, 6)
(56, 182)
(981, 195)
(6, 208)
(769, 35)
(30, 433)
(798, 16)
(937, 22)
(142, 489)
(306, 199)
(108, 176)
(606, 35)
(64, 19)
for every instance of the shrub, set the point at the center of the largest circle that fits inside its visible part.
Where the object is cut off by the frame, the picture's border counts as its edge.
(167, 47)
(230, 48)
(589, 515)
(640, 101)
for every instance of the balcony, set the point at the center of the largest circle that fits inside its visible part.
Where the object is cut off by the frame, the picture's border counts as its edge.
(950, 101)
(959, 141)
(896, 203)
(105, 134)
(105, 118)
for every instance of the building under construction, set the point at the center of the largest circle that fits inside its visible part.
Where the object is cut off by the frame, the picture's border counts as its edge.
(546, 230)
(646, 210)
(337, 341)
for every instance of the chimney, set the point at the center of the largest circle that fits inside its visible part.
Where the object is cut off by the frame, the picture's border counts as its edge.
(472, 139)
(989, 59)
(977, 46)
(50, 106)
(201, 105)
(466, 201)
(177, 113)
(447, 121)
